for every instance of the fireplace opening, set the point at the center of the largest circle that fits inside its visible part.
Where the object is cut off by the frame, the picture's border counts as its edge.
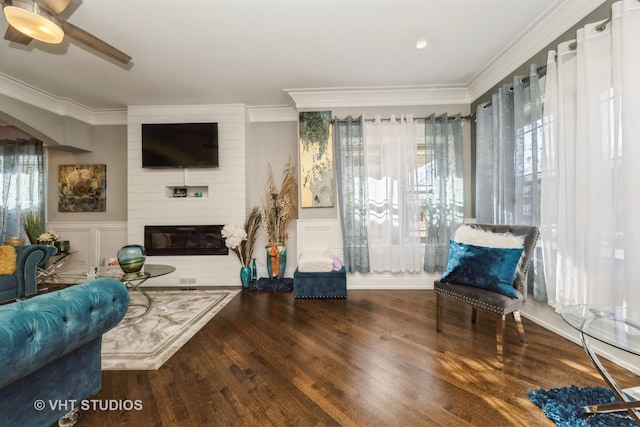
(164, 240)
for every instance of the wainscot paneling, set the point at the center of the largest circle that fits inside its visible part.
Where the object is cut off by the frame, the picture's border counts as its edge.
(318, 236)
(90, 242)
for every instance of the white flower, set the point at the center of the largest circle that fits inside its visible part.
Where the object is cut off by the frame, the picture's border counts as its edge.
(233, 235)
(54, 236)
(49, 236)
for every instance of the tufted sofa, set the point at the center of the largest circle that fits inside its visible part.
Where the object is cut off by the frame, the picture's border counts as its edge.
(50, 350)
(23, 282)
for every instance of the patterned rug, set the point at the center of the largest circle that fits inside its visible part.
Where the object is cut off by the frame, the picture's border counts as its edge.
(147, 342)
(564, 406)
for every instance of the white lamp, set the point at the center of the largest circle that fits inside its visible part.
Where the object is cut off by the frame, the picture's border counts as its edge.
(32, 20)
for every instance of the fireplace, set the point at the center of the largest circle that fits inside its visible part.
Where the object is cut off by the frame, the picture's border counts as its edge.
(165, 240)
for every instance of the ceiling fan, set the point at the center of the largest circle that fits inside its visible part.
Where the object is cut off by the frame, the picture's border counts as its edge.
(40, 20)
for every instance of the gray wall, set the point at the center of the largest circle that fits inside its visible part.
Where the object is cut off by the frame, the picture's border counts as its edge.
(274, 143)
(109, 145)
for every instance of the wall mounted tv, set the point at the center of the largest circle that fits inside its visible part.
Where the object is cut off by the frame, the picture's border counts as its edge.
(180, 145)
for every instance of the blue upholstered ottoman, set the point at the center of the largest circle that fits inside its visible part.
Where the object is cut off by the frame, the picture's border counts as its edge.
(332, 284)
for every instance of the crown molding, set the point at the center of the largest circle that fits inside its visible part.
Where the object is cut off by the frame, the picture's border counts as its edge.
(376, 97)
(61, 106)
(557, 19)
(272, 113)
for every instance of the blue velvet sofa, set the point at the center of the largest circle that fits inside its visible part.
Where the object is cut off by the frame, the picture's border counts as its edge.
(22, 283)
(50, 350)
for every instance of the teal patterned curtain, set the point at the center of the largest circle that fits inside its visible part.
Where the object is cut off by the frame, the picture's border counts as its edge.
(352, 189)
(442, 177)
(22, 175)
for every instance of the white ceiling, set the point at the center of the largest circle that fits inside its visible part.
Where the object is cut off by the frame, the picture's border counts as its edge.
(253, 51)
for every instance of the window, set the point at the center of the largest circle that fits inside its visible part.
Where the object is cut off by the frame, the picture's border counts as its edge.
(22, 181)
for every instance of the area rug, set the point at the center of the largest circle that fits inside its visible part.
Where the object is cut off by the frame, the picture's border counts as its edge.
(564, 406)
(147, 342)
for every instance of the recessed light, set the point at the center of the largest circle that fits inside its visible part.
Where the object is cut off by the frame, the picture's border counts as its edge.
(421, 44)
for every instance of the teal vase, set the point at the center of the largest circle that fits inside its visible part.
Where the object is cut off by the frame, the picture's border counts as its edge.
(276, 261)
(245, 277)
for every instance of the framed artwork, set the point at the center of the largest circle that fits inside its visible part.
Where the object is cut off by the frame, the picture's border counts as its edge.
(82, 188)
(316, 160)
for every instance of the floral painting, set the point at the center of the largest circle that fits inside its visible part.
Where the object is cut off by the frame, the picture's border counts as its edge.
(82, 188)
(316, 160)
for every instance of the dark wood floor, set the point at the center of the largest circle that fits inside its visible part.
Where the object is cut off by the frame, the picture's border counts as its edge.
(374, 359)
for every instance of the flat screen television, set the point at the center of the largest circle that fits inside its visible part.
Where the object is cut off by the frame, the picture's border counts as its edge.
(180, 145)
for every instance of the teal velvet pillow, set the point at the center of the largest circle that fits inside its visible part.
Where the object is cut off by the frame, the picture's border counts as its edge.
(483, 267)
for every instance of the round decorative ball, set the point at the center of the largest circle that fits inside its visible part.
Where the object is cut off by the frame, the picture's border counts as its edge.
(131, 258)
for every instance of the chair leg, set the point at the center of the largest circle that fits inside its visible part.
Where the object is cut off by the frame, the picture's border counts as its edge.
(438, 313)
(518, 319)
(500, 336)
(474, 314)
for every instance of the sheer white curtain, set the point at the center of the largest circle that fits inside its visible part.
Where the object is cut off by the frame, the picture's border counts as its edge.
(590, 233)
(394, 214)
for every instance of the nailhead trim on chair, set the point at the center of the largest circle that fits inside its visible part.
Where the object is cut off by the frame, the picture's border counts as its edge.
(484, 305)
(472, 301)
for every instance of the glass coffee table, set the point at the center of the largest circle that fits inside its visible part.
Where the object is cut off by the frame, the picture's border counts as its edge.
(615, 326)
(133, 281)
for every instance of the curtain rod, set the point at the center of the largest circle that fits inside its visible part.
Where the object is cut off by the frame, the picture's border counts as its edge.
(599, 28)
(386, 119)
(542, 71)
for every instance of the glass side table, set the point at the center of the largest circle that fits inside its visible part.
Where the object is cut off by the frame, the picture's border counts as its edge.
(615, 326)
(49, 272)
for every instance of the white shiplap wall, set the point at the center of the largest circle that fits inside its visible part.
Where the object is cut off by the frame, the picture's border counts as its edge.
(225, 201)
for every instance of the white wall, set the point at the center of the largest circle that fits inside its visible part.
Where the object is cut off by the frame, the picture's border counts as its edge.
(149, 195)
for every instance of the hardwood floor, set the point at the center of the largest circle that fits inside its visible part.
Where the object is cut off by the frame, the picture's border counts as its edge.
(374, 359)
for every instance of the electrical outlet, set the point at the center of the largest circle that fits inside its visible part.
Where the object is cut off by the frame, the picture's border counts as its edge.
(82, 262)
(183, 281)
(192, 281)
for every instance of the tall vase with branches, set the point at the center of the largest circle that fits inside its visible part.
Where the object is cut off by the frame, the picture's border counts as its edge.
(278, 208)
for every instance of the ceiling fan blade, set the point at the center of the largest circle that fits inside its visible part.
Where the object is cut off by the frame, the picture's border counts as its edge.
(14, 35)
(55, 6)
(93, 42)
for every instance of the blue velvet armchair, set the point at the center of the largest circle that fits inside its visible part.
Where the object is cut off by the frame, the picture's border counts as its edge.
(51, 351)
(22, 283)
